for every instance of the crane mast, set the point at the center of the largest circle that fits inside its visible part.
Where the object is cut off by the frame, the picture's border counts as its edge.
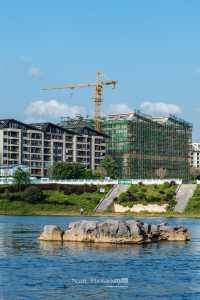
(99, 85)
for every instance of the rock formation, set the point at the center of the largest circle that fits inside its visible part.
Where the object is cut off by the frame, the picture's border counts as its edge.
(51, 233)
(114, 231)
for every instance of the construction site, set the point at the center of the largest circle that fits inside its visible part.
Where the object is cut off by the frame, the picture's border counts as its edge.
(148, 147)
(143, 146)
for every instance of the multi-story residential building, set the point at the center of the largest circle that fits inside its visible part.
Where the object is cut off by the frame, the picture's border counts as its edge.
(91, 146)
(21, 144)
(195, 155)
(39, 145)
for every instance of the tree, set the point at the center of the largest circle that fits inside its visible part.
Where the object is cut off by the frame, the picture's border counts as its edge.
(108, 167)
(33, 194)
(68, 170)
(21, 178)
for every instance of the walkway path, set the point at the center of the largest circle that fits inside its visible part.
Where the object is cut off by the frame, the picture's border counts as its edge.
(183, 195)
(110, 196)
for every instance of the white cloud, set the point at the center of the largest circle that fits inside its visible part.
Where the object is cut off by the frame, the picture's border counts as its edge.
(162, 108)
(51, 109)
(119, 108)
(35, 72)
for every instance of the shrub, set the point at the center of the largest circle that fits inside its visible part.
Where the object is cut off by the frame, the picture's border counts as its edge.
(9, 189)
(68, 189)
(133, 188)
(14, 197)
(148, 194)
(33, 194)
(161, 192)
(172, 182)
(166, 185)
(141, 196)
(122, 197)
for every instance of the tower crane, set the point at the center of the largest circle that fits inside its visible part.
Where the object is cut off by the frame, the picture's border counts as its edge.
(99, 85)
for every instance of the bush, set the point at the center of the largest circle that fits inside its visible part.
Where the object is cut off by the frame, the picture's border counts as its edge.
(14, 197)
(68, 189)
(172, 183)
(8, 189)
(133, 188)
(33, 195)
(122, 198)
(148, 194)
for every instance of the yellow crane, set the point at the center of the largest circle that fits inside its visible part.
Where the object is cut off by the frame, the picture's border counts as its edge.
(99, 84)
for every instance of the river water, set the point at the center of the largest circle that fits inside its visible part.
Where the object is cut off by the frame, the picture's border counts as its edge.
(30, 269)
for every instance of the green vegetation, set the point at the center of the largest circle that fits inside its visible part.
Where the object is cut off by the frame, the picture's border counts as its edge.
(193, 206)
(108, 167)
(35, 201)
(55, 199)
(21, 178)
(145, 194)
(69, 170)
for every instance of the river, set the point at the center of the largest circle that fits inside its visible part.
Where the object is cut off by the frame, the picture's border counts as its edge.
(33, 270)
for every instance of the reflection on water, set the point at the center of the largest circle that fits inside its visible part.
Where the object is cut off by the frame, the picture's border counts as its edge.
(75, 248)
(32, 269)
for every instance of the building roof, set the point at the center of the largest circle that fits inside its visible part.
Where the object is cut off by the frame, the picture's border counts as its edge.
(46, 125)
(8, 123)
(171, 119)
(195, 146)
(85, 130)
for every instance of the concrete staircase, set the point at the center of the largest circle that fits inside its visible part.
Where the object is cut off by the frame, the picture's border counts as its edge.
(183, 195)
(110, 196)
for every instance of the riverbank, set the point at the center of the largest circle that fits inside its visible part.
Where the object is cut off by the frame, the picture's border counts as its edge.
(57, 200)
(51, 200)
(42, 211)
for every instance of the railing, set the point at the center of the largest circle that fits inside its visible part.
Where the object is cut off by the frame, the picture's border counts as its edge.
(10, 180)
(105, 197)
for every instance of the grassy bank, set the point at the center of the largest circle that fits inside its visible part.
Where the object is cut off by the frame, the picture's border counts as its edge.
(55, 202)
(149, 194)
(193, 206)
(68, 200)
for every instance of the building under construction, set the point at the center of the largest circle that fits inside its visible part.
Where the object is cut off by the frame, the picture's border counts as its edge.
(148, 147)
(144, 146)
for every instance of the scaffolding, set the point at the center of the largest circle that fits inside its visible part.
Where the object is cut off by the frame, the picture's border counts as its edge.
(77, 121)
(147, 147)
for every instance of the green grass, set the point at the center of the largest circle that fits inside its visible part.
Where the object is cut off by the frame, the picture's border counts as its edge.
(193, 206)
(56, 203)
(145, 194)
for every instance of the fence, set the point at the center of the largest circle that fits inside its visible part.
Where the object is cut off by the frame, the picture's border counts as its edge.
(9, 180)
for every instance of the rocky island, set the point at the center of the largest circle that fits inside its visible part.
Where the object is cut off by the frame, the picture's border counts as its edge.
(114, 231)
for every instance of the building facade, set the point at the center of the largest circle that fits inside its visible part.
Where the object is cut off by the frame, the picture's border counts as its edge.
(195, 155)
(39, 145)
(91, 146)
(148, 147)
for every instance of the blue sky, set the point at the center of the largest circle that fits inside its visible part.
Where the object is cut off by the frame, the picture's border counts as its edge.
(151, 47)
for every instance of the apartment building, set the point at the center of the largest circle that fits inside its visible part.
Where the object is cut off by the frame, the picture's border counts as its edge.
(39, 145)
(91, 146)
(21, 144)
(195, 155)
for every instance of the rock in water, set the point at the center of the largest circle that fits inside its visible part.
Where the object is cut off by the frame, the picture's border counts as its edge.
(82, 231)
(179, 233)
(51, 233)
(114, 231)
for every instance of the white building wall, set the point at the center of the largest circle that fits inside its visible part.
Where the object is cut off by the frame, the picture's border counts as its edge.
(195, 155)
(1, 147)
